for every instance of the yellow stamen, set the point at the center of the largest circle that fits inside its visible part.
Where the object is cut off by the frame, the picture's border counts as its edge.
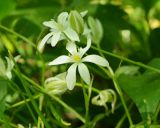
(76, 58)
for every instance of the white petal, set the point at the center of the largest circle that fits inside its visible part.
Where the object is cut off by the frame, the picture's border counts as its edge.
(84, 13)
(71, 34)
(84, 73)
(82, 51)
(86, 31)
(55, 38)
(51, 24)
(10, 64)
(71, 47)
(60, 60)
(96, 60)
(43, 41)
(71, 76)
(9, 74)
(62, 17)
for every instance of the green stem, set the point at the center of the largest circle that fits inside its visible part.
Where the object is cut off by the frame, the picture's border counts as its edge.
(156, 114)
(40, 122)
(68, 108)
(120, 122)
(23, 101)
(93, 89)
(18, 35)
(127, 60)
(121, 96)
(10, 124)
(25, 84)
(55, 98)
(101, 53)
(86, 104)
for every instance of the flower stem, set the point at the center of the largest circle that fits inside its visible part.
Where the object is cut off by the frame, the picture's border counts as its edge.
(127, 60)
(39, 88)
(40, 122)
(86, 103)
(119, 91)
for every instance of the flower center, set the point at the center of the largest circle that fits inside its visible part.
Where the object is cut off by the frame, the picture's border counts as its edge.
(61, 27)
(76, 58)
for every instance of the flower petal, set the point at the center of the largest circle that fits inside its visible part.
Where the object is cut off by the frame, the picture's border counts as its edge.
(84, 13)
(51, 24)
(43, 41)
(84, 73)
(96, 60)
(71, 47)
(82, 51)
(60, 60)
(55, 38)
(71, 34)
(71, 76)
(62, 17)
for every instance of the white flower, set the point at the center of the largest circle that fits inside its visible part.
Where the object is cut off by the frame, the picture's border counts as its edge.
(58, 30)
(5, 71)
(77, 59)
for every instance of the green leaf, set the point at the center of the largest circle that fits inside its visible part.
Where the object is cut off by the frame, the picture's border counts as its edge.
(127, 70)
(6, 6)
(144, 89)
(3, 93)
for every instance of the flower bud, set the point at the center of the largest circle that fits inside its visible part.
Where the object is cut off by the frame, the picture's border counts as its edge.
(105, 96)
(76, 21)
(56, 85)
(96, 29)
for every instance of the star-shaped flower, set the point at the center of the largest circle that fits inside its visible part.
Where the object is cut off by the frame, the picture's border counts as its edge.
(58, 30)
(76, 57)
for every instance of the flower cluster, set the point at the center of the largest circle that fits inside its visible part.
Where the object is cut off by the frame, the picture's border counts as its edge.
(71, 27)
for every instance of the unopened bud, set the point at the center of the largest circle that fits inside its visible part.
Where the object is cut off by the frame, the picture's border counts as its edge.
(96, 29)
(76, 21)
(56, 85)
(105, 96)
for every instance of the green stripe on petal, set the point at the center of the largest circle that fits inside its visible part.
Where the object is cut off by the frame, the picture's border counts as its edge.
(96, 60)
(84, 73)
(60, 60)
(71, 76)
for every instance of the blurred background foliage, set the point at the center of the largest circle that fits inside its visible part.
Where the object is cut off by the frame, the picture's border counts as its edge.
(131, 29)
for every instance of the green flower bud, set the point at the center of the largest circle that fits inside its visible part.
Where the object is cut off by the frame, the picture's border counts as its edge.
(56, 85)
(96, 29)
(76, 21)
(105, 96)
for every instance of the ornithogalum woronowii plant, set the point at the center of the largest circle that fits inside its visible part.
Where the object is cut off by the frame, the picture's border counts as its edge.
(71, 27)
(78, 32)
